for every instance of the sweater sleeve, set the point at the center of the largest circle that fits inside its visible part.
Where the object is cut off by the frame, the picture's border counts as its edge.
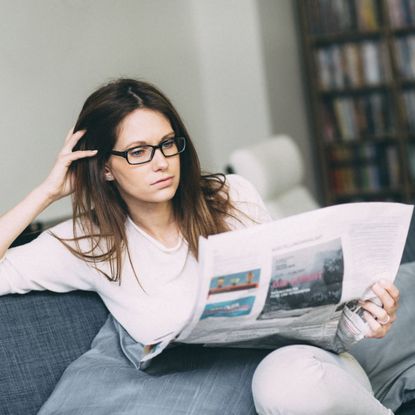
(44, 264)
(250, 207)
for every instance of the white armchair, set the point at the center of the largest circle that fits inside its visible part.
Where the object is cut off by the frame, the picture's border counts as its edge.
(275, 167)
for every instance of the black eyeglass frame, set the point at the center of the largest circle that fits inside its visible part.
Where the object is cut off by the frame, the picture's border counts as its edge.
(124, 154)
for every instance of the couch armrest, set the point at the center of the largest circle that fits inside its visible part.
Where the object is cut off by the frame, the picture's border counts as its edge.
(40, 334)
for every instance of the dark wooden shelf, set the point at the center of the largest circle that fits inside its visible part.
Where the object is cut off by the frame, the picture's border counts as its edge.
(363, 139)
(356, 90)
(344, 37)
(403, 31)
(389, 154)
(406, 83)
(368, 194)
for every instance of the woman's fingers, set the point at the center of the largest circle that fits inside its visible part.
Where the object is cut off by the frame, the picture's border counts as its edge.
(59, 183)
(380, 317)
(69, 135)
(66, 159)
(391, 288)
(379, 313)
(71, 140)
(76, 155)
(388, 294)
(377, 330)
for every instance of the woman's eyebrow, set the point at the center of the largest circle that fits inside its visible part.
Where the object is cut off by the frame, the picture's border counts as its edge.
(144, 143)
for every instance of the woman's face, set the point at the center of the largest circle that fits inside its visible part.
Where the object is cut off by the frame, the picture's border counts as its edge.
(152, 182)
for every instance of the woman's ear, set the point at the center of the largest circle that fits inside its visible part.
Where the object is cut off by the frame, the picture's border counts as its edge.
(107, 173)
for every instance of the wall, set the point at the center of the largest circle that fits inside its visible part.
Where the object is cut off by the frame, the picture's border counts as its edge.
(283, 76)
(215, 59)
(56, 52)
(232, 75)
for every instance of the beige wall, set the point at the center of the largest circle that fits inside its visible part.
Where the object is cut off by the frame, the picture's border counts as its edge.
(216, 59)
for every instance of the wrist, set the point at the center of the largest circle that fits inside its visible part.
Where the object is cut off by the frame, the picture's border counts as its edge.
(44, 195)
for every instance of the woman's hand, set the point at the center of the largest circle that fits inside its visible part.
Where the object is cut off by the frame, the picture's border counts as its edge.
(380, 317)
(59, 182)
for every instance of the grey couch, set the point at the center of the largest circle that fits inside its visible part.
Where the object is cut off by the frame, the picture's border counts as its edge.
(42, 332)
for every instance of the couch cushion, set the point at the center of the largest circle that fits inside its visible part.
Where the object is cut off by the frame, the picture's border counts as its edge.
(41, 333)
(406, 409)
(409, 250)
(409, 256)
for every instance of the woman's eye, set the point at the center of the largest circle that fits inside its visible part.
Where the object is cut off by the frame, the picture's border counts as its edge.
(168, 143)
(137, 152)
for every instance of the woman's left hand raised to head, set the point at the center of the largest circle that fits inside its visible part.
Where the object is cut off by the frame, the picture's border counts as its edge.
(381, 317)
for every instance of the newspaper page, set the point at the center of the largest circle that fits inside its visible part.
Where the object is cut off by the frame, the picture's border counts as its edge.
(295, 277)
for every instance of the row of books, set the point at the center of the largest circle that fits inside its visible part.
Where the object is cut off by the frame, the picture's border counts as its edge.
(411, 159)
(352, 64)
(409, 109)
(405, 56)
(348, 118)
(401, 13)
(333, 16)
(364, 168)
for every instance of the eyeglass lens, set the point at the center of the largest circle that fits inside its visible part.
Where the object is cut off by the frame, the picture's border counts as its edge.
(144, 154)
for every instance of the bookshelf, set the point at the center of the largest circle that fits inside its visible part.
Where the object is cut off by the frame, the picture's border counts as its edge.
(359, 60)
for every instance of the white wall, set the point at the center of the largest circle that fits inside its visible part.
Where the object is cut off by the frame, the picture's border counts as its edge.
(54, 53)
(283, 74)
(232, 73)
(208, 56)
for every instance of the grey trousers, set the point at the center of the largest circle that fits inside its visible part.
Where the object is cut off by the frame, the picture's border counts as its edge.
(300, 380)
(193, 380)
(183, 380)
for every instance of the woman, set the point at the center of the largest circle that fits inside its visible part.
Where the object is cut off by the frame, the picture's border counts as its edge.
(140, 204)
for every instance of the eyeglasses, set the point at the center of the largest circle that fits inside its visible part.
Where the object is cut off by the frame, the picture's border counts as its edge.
(144, 154)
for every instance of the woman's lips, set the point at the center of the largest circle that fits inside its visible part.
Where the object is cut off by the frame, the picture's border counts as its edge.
(163, 182)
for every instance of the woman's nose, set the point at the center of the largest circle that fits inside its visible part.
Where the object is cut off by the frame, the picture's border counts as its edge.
(159, 160)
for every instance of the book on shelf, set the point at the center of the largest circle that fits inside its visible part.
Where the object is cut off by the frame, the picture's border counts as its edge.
(411, 156)
(392, 161)
(371, 63)
(346, 118)
(337, 16)
(364, 168)
(401, 13)
(353, 117)
(409, 109)
(367, 15)
(352, 64)
(405, 56)
(329, 126)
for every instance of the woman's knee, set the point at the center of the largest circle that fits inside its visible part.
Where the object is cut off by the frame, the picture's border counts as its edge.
(296, 380)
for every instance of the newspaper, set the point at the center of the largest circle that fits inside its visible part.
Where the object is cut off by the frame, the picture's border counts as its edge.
(298, 277)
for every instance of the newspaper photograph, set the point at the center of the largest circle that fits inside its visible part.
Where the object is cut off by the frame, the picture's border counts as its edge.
(297, 278)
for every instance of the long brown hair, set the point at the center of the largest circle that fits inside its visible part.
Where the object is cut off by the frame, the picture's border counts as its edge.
(200, 205)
